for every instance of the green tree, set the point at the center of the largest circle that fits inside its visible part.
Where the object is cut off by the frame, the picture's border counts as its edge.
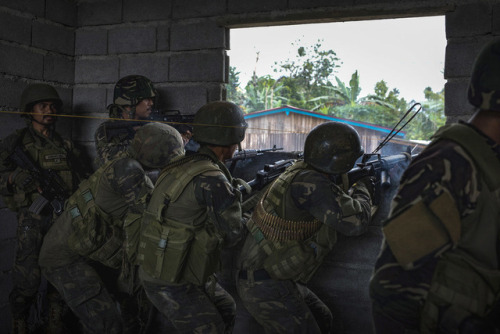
(234, 92)
(262, 93)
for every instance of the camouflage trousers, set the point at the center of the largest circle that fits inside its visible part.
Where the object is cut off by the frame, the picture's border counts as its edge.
(85, 293)
(26, 275)
(284, 306)
(194, 309)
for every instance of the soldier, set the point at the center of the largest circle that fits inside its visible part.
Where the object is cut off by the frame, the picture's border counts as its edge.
(294, 226)
(98, 218)
(133, 99)
(42, 147)
(438, 270)
(194, 211)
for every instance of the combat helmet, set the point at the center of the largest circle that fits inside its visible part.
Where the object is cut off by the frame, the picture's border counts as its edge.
(219, 123)
(39, 92)
(484, 87)
(156, 144)
(129, 91)
(332, 147)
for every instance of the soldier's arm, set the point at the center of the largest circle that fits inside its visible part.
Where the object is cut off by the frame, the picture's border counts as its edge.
(349, 215)
(108, 148)
(223, 202)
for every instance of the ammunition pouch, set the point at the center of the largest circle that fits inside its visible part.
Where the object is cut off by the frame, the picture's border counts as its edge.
(111, 252)
(163, 251)
(204, 257)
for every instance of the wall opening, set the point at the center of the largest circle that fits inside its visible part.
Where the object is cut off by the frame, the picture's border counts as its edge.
(370, 72)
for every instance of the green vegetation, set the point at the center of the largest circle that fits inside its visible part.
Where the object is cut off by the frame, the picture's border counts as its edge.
(309, 82)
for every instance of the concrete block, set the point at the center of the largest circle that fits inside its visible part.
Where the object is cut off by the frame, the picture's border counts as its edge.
(304, 4)
(495, 18)
(37, 8)
(163, 38)
(146, 10)
(21, 61)
(11, 94)
(199, 66)
(460, 56)
(198, 8)
(19, 30)
(154, 66)
(62, 11)
(132, 39)
(186, 99)
(204, 34)
(59, 68)
(84, 128)
(100, 12)
(53, 37)
(216, 92)
(236, 6)
(456, 103)
(91, 42)
(469, 20)
(89, 100)
(96, 70)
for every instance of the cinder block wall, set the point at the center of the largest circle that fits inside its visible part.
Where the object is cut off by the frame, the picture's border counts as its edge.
(83, 47)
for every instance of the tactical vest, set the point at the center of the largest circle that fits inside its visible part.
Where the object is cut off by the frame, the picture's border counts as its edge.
(96, 234)
(178, 242)
(49, 154)
(291, 249)
(467, 279)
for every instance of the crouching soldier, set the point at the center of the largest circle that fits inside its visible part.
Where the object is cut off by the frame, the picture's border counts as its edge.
(293, 228)
(194, 211)
(99, 219)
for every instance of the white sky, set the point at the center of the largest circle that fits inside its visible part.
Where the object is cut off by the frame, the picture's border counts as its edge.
(407, 53)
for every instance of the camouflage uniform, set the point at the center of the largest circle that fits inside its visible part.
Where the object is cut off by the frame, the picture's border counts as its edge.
(209, 204)
(53, 153)
(272, 275)
(100, 223)
(438, 268)
(128, 92)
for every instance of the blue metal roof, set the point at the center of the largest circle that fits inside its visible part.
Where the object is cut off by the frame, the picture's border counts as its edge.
(289, 109)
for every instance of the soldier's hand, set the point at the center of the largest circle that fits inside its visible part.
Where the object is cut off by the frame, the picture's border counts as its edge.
(367, 184)
(23, 180)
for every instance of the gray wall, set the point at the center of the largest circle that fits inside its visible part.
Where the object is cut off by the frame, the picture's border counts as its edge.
(84, 47)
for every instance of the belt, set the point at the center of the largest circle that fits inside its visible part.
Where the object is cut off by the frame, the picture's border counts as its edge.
(258, 275)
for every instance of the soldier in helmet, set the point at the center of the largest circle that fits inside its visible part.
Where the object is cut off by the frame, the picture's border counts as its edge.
(20, 187)
(438, 271)
(133, 99)
(101, 223)
(194, 211)
(294, 226)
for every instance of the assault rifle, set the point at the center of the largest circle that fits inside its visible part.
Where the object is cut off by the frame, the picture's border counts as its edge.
(378, 167)
(247, 154)
(126, 128)
(52, 186)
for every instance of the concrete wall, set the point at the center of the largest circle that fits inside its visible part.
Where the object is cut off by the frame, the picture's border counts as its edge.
(83, 47)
